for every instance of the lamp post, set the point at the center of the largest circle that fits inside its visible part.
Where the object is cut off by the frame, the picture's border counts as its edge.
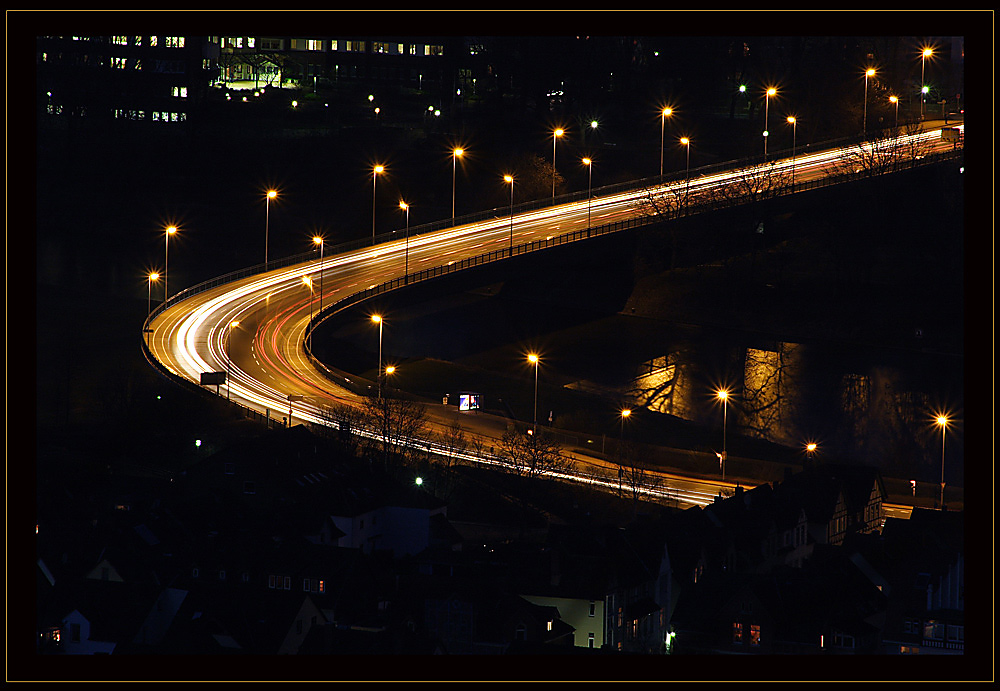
(811, 450)
(895, 101)
(723, 395)
(378, 320)
(166, 253)
(375, 173)
(318, 240)
(271, 194)
(664, 114)
(232, 325)
(621, 442)
(510, 179)
(590, 177)
(533, 359)
(767, 100)
(149, 302)
(406, 256)
(793, 122)
(870, 72)
(308, 282)
(455, 154)
(687, 165)
(942, 421)
(555, 137)
(924, 54)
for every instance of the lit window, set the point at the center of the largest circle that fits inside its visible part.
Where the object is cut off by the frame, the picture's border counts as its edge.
(548, 625)
(314, 44)
(754, 634)
(182, 92)
(590, 639)
(737, 632)
(119, 40)
(152, 41)
(322, 587)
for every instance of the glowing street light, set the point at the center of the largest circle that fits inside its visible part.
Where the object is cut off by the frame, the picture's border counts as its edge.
(895, 101)
(378, 320)
(590, 177)
(870, 72)
(406, 260)
(149, 301)
(170, 230)
(307, 281)
(811, 449)
(376, 171)
(621, 441)
(555, 137)
(510, 179)
(664, 114)
(533, 359)
(687, 166)
(942, 422)
(318, 240)
(232, 325)
(271, 194)
(723, 395)
(767, 100)
(455, 154)
(924, 54)
(793, 122)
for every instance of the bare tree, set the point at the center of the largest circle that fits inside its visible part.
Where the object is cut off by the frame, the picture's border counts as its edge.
(887, 152)
(393, 425)
(637, 474)
(529, 455)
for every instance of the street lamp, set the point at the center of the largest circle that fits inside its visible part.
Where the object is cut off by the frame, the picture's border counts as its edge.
(767, 100)
(687, 166)
(664, 114)
(271, 194)
(510, 179)
(376, 171)
(533, 359)
(406, 260)
(811, 449)
(924, 54)
(942, 421)
(895, 101)
(232, 325)
(621, 442)
(590, 177)
(455, 154)
(149, 301)
(318, 240)
(870, 72)
(166, 253)
(793, 122)
(378, 320)
(723, 395)
(555, 136)
(307, 281)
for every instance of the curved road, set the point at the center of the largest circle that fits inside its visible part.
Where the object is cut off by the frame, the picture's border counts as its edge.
(265, 358)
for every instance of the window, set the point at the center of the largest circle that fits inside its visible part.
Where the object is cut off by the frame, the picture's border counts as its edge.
(174, 41)
(248, 486)
(956, 634)
(433, 50)
(737, 632)
(933, 630)
(548, 625)
(229, 468)
(194, 572)
(305, 584)
(182, 92)
(288, 583)
(593, 608)
(222, 575)
(314, 44)
(272, 581)
(590, 639)
(755, 634)
(152, 41)
(521, 633)
(355, 46)
(119, 40)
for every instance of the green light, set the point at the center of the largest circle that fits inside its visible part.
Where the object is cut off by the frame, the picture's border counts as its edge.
(743, 88)
(419, 481)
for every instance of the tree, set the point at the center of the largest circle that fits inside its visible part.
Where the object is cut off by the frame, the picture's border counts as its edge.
(392, 425)
(530, 455)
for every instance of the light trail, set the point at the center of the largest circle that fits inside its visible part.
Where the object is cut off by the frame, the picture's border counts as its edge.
(190, 337)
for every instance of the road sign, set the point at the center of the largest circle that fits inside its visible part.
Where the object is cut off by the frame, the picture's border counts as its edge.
(216, 378)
